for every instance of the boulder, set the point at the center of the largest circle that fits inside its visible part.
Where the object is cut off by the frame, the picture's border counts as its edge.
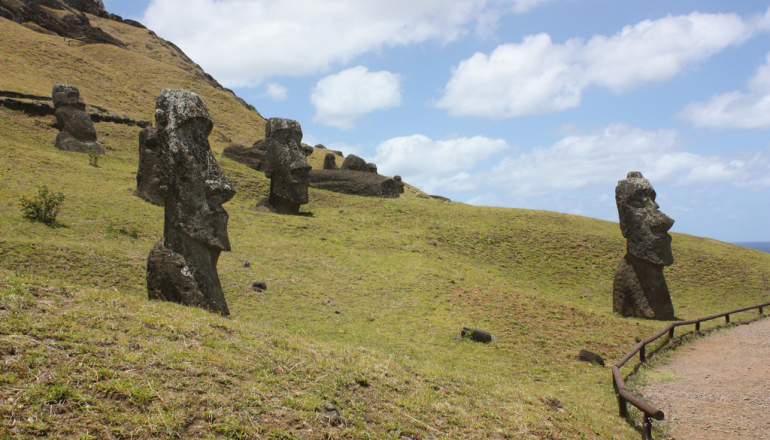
(372, 168)
(639, 287)
(76, 130)
(182, 266)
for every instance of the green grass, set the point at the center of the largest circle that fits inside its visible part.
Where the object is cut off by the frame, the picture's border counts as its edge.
(364, 295)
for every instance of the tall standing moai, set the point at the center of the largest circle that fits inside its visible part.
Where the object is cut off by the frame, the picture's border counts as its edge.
(182, 267)
(639, 287)
(286, 166)
(76, 129)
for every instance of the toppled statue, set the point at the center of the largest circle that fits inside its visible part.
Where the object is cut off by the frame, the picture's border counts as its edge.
(639, 287)
(182, 267)
(148, 173)
(76, 130)
(286, 167)
(355, 177)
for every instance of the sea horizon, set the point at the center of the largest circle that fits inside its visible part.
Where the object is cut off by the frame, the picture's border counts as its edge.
(763, 246)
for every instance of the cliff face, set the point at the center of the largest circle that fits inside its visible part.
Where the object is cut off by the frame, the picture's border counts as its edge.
(70, 19)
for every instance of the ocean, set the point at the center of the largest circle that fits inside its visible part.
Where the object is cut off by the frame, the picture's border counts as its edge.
(763, 246)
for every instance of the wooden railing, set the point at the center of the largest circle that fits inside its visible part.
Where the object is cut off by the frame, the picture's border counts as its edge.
(649, 411)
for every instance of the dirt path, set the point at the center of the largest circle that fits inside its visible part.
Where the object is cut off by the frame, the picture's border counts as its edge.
(717, 387)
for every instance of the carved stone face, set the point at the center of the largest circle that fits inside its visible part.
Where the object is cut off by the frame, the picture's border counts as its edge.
(641, 222)
(196, 186)
(285, 161)
(66, 95)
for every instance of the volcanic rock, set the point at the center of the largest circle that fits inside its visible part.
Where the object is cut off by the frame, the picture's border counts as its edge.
(182, 266)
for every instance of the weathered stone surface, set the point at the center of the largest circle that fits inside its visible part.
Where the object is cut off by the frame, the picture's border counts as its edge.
(477, 334)
(94, 7)
(640, 290)
(641, 222)
(285, 165)
(330, 162)
(253, 157)
(77, 132)
(195, 227)
(355, 183)
(588, 356)
(148, 173)
(372, 168)
(307, 149)
(639, 287)
(57, 17)
(353, 162)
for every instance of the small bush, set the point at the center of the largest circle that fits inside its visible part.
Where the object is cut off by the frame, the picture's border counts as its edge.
(44, 208)
(93, 160)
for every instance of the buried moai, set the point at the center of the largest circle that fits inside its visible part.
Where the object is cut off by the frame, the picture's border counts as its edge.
(286, 166)
(76, 129)
(639, 287)
(182, 267)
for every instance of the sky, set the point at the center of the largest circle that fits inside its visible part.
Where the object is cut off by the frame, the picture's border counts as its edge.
(537, 104)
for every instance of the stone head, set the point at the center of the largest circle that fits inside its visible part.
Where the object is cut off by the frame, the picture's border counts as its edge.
(194, 185)
(65, 95)
(641, 222)
(285, 161)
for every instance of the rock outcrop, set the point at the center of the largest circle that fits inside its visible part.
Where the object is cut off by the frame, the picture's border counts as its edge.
(639, 287)
(355, 183)
(76, 130)
(182, 266)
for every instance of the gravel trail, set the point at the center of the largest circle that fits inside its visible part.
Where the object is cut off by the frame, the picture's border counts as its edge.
(717, 387)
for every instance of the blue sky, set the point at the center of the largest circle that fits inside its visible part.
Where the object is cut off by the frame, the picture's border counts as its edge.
(541, 104)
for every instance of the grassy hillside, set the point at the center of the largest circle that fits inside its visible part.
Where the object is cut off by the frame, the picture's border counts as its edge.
(364, 295)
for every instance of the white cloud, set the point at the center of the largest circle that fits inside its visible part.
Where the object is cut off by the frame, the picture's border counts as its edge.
(735, 109)
(538, 76)
(342, 98)
(243, 42)
(431, 165)
(276, 91)
(577, 164)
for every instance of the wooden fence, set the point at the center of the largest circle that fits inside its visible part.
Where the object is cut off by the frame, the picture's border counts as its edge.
(649, 411)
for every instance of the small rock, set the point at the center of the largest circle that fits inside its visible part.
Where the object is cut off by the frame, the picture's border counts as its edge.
(337, 312)
(259, 286)
(476, 334)
(246, 263)
(587, 356)
(331, 414)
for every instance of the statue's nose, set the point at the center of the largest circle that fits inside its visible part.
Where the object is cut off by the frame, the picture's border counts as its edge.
(661, 222)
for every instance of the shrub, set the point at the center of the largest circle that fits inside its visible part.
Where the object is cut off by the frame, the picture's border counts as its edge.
(43, 208)
(93, 159)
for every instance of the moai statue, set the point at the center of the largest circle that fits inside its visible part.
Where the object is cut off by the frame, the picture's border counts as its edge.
(639, 288)
(182, 267)
(148, 173)
(76, 130)
(285, 166)
(330, 162)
